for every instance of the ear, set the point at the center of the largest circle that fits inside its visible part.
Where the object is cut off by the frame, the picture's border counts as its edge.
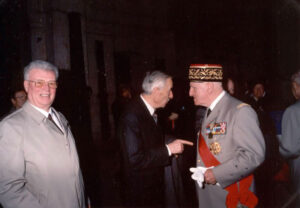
(155, 90)
(26, 85)
(210, 86)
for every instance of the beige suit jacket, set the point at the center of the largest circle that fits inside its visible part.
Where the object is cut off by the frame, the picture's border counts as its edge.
(242, 148)
(39, 166)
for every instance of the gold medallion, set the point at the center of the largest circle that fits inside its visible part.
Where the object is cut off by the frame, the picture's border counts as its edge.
(215, 148)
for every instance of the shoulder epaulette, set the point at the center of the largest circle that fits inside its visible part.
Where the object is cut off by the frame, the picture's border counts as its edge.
(242, 105)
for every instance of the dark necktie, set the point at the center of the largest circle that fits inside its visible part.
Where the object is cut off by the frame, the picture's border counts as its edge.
(155, 117)
(51, 119)
(208, 112)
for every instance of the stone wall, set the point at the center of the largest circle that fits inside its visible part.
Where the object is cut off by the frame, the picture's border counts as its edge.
(138, 29)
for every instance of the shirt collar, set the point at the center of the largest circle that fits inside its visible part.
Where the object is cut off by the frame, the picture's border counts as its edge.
(215, 102)
(45, 113)
(149, 107)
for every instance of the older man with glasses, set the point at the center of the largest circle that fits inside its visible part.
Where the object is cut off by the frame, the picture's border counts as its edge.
(39, 165)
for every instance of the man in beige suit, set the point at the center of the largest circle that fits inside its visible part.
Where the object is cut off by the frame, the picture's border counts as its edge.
(39, 166)
(230, 143)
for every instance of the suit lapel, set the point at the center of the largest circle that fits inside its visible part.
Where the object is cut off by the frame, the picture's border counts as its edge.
(148, 116)
(53, 126)
(39, 118)
(62, 122)
(146, 111)
(33, 113)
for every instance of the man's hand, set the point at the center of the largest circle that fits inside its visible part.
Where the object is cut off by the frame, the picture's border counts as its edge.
(209, 177)
(177, 146)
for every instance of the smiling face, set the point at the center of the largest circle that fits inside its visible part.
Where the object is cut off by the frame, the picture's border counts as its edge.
(41, 97)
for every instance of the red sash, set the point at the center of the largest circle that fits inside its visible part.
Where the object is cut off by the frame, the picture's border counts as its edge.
(244, 195)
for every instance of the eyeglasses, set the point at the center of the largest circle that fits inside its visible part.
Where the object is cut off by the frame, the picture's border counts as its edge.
(42, 83)
(21, 97)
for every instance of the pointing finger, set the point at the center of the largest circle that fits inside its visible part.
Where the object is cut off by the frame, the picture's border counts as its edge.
(186, 142)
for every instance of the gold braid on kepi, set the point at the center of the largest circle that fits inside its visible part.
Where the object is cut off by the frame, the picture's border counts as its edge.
(205, 73)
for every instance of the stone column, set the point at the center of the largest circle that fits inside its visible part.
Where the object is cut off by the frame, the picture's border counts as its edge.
(61, 40)
(38, 29)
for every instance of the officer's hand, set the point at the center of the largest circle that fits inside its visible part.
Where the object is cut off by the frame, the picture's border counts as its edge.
(198, 175)
(177, 146)
(209, 177)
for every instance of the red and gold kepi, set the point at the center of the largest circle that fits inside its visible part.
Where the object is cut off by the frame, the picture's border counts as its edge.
(205, 73)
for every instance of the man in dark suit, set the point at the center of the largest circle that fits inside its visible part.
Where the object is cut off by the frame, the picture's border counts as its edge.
(143, 148)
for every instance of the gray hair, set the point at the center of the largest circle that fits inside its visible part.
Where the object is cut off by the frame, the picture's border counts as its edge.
(296, 77)
(39, 64)
(154, 79)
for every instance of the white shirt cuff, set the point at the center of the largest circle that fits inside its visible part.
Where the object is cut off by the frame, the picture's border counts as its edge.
(168, 150)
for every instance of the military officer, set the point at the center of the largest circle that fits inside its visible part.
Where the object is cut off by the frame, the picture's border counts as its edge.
(230, 143)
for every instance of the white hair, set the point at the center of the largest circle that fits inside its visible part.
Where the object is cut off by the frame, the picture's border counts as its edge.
(39, 64)
(154, 79)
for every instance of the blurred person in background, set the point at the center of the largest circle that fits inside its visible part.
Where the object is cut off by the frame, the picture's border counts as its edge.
(230, 86)
(18, 98)
(261, 101)
(290, 139)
